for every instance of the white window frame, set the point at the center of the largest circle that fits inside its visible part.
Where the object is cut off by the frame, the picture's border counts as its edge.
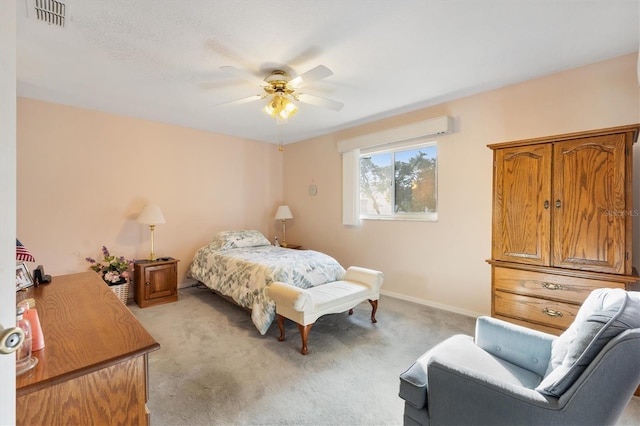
(392, 138)
(395, 148)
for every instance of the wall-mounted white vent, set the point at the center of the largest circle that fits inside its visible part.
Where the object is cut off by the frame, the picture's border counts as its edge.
(53, 12)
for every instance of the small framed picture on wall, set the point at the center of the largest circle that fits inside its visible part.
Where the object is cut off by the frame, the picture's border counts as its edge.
(23, 277)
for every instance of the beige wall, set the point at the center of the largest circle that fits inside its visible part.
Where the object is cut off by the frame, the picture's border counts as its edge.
(83, 177)
(443, 263)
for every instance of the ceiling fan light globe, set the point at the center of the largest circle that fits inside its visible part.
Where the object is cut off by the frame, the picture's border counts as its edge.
(273, 106)
(280, 107)
(291, 108)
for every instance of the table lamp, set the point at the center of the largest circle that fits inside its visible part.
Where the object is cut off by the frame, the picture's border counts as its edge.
(283, 214)
(151, 215)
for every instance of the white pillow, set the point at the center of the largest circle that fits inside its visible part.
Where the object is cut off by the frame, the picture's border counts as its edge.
(226, 240)
(596, 301)
(605, 314)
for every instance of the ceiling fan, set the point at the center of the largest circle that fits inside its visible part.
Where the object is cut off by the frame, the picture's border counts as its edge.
(282, 90)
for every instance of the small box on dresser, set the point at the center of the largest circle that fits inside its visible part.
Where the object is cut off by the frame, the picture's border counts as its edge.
(155, 281)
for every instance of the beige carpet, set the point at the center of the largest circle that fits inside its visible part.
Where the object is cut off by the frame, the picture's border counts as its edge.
(214, 368)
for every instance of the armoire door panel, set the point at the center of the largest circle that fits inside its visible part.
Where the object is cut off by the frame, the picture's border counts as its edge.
(522, 204)
(589, 204)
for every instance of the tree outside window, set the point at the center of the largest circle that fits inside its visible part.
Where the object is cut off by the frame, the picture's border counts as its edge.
(399, 184)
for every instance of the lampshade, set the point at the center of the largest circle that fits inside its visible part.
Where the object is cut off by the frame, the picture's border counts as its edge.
(283, 213)
(22, 253)
(151, 215)
(280, 107)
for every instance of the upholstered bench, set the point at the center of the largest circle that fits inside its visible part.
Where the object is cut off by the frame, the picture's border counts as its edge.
(305, 306)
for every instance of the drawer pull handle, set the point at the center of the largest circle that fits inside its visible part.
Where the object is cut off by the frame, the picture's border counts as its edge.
(147, 283)
(551, 312)
(552, 286)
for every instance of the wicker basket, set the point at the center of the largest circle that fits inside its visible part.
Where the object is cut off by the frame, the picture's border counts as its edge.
(121, 290)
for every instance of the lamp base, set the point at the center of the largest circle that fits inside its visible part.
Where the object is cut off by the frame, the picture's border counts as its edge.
(152, 256)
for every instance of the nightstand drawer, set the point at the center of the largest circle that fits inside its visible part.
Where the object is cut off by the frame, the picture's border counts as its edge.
(538, 284)
(547, 312)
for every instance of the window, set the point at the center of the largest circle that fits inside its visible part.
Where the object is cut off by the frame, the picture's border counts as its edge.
(399, 184)
(399, 177)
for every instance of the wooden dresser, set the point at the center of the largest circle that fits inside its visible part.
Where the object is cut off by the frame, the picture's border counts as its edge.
(93, 368)
(562, 224)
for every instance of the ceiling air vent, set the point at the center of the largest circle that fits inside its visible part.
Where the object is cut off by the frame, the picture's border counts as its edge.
(50, 11)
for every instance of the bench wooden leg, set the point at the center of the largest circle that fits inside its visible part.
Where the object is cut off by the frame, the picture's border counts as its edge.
(280, 326)
(304, 333)
(374, 306)
(374, 309)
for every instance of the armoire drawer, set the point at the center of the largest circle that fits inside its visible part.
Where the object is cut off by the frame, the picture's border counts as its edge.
(550, 330)
(539, 284)
(548, 312)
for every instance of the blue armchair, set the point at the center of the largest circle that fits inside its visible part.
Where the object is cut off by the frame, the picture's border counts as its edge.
(512, 375)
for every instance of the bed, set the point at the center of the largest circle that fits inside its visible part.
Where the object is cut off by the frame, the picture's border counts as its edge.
(240, 265)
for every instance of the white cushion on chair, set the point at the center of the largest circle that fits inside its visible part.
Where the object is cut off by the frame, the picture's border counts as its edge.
(604, 314)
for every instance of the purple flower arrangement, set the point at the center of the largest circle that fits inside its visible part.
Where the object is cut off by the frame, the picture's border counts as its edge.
(114, 270)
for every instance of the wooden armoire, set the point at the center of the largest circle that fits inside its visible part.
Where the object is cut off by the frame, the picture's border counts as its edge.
(562, 224)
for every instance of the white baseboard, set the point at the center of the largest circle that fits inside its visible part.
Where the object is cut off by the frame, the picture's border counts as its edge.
(432, 304)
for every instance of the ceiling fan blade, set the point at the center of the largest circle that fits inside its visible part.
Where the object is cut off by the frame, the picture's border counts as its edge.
(244, 74)
(314, 74)
(243, 100)
(320, 102)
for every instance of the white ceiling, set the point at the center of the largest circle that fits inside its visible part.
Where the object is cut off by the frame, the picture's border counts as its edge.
(160, 59)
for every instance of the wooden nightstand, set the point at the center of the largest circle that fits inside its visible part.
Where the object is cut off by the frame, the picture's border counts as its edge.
(156, 281)
(292, 246)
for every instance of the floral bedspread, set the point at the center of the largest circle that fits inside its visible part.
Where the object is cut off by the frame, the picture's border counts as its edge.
(244, 274)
